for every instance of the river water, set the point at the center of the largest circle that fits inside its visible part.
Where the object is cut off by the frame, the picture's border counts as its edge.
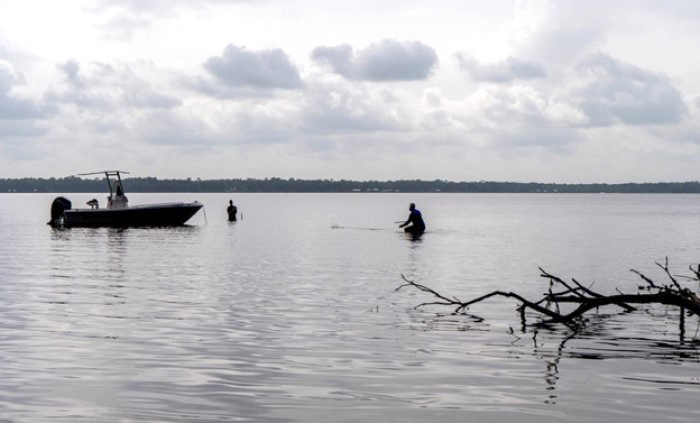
(292, 315)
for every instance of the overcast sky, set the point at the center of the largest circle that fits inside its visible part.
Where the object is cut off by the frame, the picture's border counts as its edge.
(532, 90)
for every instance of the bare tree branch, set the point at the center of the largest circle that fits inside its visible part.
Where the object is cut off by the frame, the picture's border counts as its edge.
(583, 297)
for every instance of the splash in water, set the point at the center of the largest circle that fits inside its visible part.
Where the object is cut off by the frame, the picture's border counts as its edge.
(336, 223)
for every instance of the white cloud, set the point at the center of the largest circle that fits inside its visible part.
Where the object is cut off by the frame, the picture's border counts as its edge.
(243, 69)
(157, 7)
(204, 124)
(105, 87)
(21, 117)
(556, 32)
(387, 60)
(337, 108)
(14, 130)
(521, 105)
(505, 71)
(619, 92)
(123, 19)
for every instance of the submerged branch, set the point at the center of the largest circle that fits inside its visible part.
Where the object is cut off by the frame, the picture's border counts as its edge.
(584, 298)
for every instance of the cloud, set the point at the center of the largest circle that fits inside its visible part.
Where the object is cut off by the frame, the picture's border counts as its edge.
(20, 116)
(124, 18)
(150, 7)
(387, 60)
(71, 71)
(557, 32)
(204, 125)
(681, 9)
(525, 105)
(338, 108)
(13, 129)
(238, 67)
(619, 92)
(505, 71)
(518, 115)
(12, 106)
(324, 116)
(501, 119)
(107, 87)
(5, 50)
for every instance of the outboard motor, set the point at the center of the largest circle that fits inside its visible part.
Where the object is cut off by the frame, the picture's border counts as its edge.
(59, 205)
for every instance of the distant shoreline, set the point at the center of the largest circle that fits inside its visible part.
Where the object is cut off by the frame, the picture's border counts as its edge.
(278, 185)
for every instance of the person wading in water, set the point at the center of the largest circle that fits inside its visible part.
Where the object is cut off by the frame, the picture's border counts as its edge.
(232, 211)
(415, 219)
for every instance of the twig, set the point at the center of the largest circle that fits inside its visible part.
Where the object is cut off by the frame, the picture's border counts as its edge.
(445, 300)
(646, 279)
(668, 272)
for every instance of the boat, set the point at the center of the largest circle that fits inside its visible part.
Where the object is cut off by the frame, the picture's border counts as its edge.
(118, 212)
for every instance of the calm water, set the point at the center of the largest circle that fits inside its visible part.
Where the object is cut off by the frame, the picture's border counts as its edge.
(285, 317)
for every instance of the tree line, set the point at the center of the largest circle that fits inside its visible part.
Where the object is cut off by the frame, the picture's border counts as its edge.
(150, 184)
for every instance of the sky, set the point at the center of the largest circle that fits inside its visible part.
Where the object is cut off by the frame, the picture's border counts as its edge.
(562, 91)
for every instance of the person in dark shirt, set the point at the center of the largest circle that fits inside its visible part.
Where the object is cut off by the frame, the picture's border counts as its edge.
(415, 219)
(232, 211)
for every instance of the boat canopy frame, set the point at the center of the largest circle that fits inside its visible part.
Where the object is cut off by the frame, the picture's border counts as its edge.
(107, 174)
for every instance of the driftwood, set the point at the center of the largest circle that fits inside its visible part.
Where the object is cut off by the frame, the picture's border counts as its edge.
(584, 299)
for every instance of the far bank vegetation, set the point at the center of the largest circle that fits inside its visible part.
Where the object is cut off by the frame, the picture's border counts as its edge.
(73, 184)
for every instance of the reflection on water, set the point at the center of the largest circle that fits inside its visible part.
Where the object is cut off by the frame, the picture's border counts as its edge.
(283, 317)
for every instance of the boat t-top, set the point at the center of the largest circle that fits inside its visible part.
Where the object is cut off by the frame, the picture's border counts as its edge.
(118, 211)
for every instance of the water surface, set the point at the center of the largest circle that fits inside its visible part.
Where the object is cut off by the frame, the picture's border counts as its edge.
(291, 314)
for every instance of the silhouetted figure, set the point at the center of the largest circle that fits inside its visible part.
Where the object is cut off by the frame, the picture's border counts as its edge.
(94, 204)
(120, 201)
(415, 219)
(232, 211)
